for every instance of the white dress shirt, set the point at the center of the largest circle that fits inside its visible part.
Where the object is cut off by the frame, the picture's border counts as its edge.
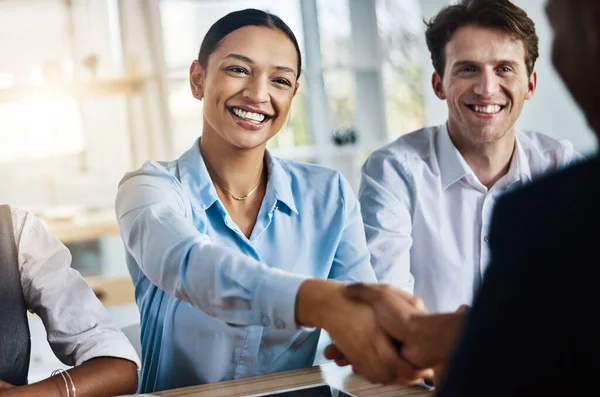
(78, 327)
(427, 215)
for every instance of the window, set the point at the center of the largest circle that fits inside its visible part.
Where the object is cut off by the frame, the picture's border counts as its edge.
(54, 129)
(367, 55)
(33, 126)
(63, 103)
(402, 74)
(338, 68)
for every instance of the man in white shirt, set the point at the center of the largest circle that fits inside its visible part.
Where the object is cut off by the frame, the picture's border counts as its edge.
(36, 276)
(427, 197)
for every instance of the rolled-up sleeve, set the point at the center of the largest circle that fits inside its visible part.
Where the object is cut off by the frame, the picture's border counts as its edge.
(384, 197)
(78, 326)
(178, 258)
(569, 155)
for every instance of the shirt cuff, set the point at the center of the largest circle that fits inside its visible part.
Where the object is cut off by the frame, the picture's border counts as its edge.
(109, 344)
(277, 300)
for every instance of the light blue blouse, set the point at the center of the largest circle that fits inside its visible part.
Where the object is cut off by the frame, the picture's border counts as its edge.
(214, 304)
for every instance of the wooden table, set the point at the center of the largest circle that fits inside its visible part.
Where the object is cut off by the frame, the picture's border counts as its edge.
(339, 378)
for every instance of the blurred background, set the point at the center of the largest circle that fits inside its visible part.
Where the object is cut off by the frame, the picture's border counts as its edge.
(90, 89)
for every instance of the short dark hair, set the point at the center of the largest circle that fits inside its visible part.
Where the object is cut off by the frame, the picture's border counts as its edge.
(238, 19)
(494, 14)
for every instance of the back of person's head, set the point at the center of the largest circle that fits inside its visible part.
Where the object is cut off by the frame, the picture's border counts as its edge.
(499, 15)
(575, 51)
(238, 19)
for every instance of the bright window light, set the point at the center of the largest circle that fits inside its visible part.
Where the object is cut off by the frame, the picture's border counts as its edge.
(40, 128)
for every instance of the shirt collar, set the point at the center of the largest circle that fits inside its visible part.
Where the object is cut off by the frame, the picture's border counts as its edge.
(195, 177)
(519, 169)
(453, 166)
(280, 183)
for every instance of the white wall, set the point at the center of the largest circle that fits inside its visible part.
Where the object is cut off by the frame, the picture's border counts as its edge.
(551, 110)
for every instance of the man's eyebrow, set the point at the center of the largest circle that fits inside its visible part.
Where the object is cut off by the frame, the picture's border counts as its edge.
(460, 64)
(509, 62)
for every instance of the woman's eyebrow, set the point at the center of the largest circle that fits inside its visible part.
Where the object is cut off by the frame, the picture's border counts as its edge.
(244, 58)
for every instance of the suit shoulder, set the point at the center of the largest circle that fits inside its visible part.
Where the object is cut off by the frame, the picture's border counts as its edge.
(574, 188)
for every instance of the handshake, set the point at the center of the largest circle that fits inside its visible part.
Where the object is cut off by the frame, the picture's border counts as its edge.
(384, 333)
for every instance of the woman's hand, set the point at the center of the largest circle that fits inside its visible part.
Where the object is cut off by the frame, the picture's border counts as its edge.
(354, 328)
(4, 385)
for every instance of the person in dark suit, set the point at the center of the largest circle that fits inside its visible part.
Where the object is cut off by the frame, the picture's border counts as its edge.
(530, 329)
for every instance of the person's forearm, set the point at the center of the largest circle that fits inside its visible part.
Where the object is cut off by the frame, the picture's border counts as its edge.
(218, 280)
(312, 300)
(435, 335)
(99, 377)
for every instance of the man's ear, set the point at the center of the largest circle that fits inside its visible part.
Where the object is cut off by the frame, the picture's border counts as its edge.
(531, 85)
(197, 79)
(438, 86)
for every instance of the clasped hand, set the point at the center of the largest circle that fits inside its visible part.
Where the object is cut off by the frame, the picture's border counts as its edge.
(4, 387)
(386, 315)
(363, 333)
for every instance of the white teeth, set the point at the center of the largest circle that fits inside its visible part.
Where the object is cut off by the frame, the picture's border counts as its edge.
(487, 109)
(257, 117)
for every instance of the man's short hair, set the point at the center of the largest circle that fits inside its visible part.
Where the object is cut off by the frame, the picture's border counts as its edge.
(500, 15)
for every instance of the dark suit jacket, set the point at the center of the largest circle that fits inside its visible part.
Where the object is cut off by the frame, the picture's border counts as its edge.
(532, 330)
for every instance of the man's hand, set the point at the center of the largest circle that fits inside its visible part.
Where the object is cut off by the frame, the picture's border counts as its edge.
(4, 385)
(394, 310)
(427, 340)
(354, 329)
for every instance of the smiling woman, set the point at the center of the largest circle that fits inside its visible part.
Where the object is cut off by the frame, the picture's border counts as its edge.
(229, 246)
(246, 82)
